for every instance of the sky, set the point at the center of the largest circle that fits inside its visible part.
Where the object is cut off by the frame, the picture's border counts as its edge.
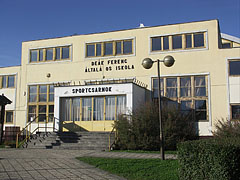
(25, 20)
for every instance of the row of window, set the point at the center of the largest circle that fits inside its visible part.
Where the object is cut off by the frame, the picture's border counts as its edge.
(50, 54)
(109, 48)
(176, 42)
(7, 81)
(41, 103)
(92, 108)
(189, 92)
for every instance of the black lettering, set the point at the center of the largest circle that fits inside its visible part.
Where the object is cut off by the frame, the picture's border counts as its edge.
(110, 89)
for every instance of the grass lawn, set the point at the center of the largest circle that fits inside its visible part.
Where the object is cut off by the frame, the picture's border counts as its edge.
(136, 169)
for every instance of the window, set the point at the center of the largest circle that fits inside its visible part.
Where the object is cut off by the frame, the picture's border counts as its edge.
(189, 92)
(7, 81)
(41, 103)
(111, 48)
(235, 111)
(9, 116)
(92, 108)
(178, 41)
(50, 54)
(234, 68)
(226, 45)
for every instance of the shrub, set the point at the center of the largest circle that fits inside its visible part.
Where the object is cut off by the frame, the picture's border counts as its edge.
(227, 128)
(210, 159)
(141, 129)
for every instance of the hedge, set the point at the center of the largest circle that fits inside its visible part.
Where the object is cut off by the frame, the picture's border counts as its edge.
(210, 159)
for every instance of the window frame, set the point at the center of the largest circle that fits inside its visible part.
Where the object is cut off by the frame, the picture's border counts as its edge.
(6, 82)
(93, 106)
(38, 103)
(231, 108)
(192, 97)
(54, 56)
(232, 60)
(5, 116)
(114, 47)
(184, 42)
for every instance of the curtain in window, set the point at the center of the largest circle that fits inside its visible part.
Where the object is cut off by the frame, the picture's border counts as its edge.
(110, 107)
(185, 86)
(200, 87)
(86, 109)
(65, 109)
(76, 109)
(98, 108)
(121, 105)
(172, 87)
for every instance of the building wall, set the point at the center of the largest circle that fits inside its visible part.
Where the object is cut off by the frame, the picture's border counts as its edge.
(209, 60)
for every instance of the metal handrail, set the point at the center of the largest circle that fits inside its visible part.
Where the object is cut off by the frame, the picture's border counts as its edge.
(109, 139)
(29, 132)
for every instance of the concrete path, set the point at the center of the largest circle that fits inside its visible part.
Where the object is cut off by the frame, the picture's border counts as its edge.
(52, 164)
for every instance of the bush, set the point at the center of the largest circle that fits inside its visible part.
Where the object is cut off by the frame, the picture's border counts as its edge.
(140, 131)
(227, 128)
(210, 159)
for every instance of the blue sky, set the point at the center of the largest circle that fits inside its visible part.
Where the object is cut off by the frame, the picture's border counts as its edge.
(24, 20)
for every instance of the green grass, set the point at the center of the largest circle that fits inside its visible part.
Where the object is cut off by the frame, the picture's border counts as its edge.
(2, 146)
(136, 169)
(141, 151)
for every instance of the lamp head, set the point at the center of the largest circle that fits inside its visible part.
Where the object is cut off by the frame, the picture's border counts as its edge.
(147, 63)
(168, 61)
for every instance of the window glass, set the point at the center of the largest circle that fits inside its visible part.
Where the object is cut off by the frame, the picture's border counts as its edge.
(185, 84)
(90, 50)
(165, 43)
(186, 106)
(32, 109)
(76, 109)
(119, 47)
(177, 42)
(200, 86)
(110, 108)
(57, 53)
(200, 110)
(42, 113)
(171, 87)
(50, 113)
(34, 55)
(188, 41)
(198, 40)
(99, 49)
(32, 93)
(121, 105)
(155, 88)
(226, 45)
(9, 116)
(234, 68)
(98, 108)
(41, 55)
(49, 54)
(43, 93)
(65, 53)
(127, 47)
(235, 111)
(65, 109)
(156, 44)
(108, 48)
(4, 81)
(86, 109)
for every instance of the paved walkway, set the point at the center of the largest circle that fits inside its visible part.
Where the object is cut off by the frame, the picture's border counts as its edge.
(52, 164)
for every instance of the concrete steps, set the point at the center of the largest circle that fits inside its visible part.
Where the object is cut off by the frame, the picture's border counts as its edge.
(70, 140)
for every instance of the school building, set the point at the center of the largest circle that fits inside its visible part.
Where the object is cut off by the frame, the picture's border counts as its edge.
(82, 82)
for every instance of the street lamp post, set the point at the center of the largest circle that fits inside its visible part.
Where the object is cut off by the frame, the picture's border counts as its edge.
(147, 64)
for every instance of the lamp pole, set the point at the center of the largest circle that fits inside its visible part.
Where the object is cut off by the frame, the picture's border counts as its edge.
(147, 64)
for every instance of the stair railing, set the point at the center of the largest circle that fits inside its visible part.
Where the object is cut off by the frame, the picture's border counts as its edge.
(109, 138)
(27, 132)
